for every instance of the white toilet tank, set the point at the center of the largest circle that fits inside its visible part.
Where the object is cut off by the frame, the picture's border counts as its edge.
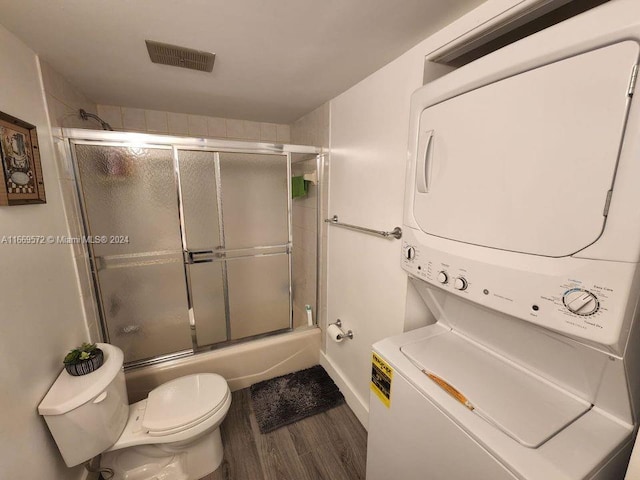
(87, 414)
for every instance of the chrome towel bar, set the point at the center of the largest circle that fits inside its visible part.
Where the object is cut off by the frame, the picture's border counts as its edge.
(395, 233)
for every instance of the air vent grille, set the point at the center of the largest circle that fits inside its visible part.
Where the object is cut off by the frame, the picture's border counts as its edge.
(180, 56)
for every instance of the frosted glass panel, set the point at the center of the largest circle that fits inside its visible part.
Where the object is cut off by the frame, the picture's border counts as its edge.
(199, 200)
(207, 296)
(130, 192)
(145, 309)
(258, 294)
(254, 199)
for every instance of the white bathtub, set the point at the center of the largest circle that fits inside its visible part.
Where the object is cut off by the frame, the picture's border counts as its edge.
(242, 364)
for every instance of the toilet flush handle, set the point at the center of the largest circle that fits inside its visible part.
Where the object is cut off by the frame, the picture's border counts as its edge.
(100, 397)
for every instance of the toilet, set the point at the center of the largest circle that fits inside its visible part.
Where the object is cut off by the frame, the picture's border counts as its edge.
(173, 434)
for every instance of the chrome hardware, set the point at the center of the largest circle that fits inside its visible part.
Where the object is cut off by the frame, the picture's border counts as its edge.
(348, 334)
(395, 233)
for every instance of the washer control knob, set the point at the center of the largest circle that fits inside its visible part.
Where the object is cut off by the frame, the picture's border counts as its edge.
(443, 278)
(581, 302)
(409, 253)
(460, 283)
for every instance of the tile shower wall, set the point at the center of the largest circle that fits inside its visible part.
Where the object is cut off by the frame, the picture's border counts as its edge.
(312, 128)
(64, 100)
(155, 121)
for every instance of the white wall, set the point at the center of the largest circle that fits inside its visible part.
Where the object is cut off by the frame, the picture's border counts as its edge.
(366, 287)
(41, 313)
(369, 132)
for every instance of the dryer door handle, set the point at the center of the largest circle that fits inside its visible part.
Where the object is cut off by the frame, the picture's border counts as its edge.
(424, 160)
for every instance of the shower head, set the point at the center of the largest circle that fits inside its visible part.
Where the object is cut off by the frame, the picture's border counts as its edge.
(84, 115)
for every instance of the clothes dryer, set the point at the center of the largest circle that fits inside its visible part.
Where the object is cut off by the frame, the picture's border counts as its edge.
(522, 235)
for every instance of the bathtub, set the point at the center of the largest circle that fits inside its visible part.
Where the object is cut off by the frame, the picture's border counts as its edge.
(241, 365)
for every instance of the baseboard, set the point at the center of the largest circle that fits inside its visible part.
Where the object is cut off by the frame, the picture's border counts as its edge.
(356, 402)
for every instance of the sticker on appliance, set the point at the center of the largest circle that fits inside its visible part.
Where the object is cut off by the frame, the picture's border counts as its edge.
(381, 377)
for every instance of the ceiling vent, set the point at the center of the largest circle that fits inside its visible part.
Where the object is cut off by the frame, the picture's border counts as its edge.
(180, 56)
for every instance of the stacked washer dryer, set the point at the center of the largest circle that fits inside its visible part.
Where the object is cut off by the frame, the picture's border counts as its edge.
(522, 235)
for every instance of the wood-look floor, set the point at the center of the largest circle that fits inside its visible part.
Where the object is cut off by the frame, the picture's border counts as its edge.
(331, 445)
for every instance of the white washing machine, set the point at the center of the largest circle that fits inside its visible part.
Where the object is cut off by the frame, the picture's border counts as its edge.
(522, 236)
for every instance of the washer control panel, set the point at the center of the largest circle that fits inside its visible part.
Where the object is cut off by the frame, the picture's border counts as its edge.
(585, 298)
(443, 277)
(460, 283)
(409, 252)
(581, 302)
(441, 273)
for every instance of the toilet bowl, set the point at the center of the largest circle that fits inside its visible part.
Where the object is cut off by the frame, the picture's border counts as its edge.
(173, 434)
(175, 429)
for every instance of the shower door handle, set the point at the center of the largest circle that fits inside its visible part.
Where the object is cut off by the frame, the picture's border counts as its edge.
(202, 256)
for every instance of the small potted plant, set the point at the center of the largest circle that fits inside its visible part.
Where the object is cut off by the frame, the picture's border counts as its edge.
(83, 359)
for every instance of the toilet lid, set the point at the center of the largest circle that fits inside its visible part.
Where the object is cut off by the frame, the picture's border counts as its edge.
(183, 401)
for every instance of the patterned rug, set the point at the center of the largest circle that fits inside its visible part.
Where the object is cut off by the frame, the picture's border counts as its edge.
(292, 397)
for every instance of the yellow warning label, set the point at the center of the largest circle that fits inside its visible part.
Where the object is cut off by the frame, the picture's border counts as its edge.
(381, 377)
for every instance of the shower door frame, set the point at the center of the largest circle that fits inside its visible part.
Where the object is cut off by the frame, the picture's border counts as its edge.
(72, 137)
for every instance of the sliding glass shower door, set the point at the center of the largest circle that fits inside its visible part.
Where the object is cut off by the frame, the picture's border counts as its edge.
(255, 206)
(131, 214)
(203, 242)
(204, 251)
(236, 236)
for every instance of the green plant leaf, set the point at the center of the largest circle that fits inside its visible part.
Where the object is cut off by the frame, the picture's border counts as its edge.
(83, 352)
(88, 347)
(72, 356)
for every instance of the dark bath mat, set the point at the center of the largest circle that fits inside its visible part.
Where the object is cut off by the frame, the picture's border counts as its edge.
(292, 397)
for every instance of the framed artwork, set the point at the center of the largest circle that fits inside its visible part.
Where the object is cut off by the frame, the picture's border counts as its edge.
(22, 181)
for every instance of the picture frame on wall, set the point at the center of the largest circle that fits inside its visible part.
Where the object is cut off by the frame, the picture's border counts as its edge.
(21, 181)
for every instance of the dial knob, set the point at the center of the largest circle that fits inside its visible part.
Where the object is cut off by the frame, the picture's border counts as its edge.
(409, 253)
(443, 277)
(581, 302)
(460, 283)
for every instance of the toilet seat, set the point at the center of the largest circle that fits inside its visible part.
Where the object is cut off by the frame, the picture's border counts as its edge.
(182, 424)
(184, 402)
